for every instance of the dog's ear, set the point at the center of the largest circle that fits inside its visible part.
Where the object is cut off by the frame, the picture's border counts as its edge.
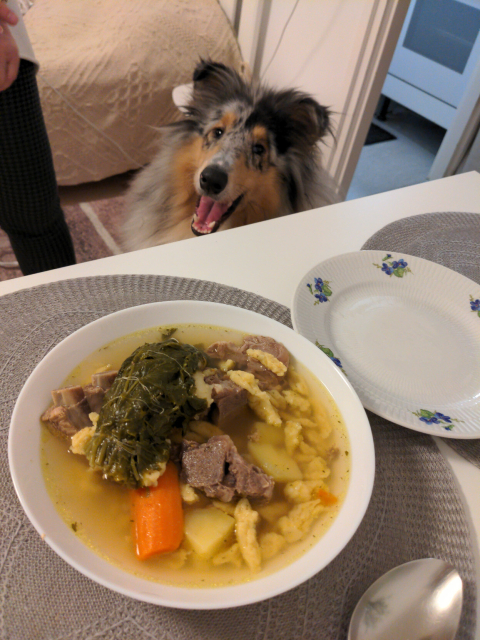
(308, 119)
(214, 82)
(298, 121)
(318, 116)
(214, 79)
(206, 68)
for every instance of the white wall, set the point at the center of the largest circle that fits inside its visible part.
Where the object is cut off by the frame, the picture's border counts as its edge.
(337, 50)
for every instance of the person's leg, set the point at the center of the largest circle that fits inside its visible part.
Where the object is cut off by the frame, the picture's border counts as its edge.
(30, 211)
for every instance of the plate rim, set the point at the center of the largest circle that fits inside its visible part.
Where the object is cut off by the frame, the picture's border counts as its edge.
(364, 397)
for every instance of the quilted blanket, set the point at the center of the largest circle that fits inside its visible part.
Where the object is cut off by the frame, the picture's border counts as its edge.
(107, 71)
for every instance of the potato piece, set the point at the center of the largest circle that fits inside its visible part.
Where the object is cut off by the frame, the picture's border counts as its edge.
(275, 462)
(268, 434)
(207, 530)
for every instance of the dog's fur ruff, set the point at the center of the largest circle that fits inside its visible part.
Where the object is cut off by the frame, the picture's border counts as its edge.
(259, 147)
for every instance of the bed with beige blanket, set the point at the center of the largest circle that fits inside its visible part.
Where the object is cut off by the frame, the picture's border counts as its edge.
(107, 71)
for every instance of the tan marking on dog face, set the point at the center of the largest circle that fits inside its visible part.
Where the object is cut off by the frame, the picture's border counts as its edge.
(228, 120)
(260, 148)
(261, 193)
(260, 135)
(225, 124)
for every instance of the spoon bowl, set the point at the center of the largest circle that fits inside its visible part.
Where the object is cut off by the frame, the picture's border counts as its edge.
(417, 600)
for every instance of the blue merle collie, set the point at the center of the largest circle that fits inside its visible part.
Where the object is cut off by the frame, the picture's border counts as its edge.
(242, 154)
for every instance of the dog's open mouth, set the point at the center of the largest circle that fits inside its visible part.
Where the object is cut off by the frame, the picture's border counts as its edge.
(209, 214)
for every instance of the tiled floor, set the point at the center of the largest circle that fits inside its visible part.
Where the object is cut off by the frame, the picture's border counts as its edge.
(397, 163)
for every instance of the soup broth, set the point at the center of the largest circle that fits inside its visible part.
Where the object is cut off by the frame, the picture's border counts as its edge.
(98, 511)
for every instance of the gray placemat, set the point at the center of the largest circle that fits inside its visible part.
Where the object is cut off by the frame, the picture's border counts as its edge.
(450, 239)
(415, 510)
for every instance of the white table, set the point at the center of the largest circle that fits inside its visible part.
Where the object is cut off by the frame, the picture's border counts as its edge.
(270, 258)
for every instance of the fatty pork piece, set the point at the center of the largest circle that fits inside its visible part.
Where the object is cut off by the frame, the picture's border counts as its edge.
(229, 399)
(267, 379)
(220, 472)
(95, 392)
(72, 405)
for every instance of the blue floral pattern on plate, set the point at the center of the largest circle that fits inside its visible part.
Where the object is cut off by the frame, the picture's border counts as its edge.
(393, 267)
(320, 290)
(330, 354)
(475, 305)
(435, 417)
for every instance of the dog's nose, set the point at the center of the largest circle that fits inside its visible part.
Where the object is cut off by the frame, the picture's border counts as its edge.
(213, 179)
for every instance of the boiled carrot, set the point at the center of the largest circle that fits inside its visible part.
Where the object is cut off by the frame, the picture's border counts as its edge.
(158, 515)
(326, 497)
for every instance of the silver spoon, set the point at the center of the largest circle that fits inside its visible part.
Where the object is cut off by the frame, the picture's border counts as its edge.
(415, 601)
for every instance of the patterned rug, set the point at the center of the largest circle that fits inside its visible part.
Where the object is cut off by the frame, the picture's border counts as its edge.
(94, 228)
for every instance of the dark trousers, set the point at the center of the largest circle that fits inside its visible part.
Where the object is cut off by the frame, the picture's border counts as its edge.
(30, 211)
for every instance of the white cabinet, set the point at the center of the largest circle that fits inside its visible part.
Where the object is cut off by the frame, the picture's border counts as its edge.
(436, 55)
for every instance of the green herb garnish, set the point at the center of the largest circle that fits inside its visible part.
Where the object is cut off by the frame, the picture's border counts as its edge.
(151, 395)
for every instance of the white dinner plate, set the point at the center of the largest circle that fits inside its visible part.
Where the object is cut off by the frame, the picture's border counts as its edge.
(406, 333)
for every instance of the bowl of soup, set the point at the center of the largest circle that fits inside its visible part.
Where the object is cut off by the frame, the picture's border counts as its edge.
(191, 454)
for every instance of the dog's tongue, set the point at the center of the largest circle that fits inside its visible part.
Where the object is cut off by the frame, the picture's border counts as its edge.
(208, 213)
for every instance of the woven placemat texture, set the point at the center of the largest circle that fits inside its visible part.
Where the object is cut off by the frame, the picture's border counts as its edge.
(415, 510)
(451, 239)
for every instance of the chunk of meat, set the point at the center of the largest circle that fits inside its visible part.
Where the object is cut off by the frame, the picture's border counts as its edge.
(269, 345)
(223, 350)
(203, 467)
(57, 420)
(104, 379)
(266, 378)
(228, 397)
(249, 480)
(68, 396)
(94, 396)
(73, 404)
(74, 400)
(95, 392)
(69, 413)
(219, 470)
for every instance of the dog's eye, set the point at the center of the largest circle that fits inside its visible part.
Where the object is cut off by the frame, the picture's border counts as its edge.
(258, 149)
(218, 132)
